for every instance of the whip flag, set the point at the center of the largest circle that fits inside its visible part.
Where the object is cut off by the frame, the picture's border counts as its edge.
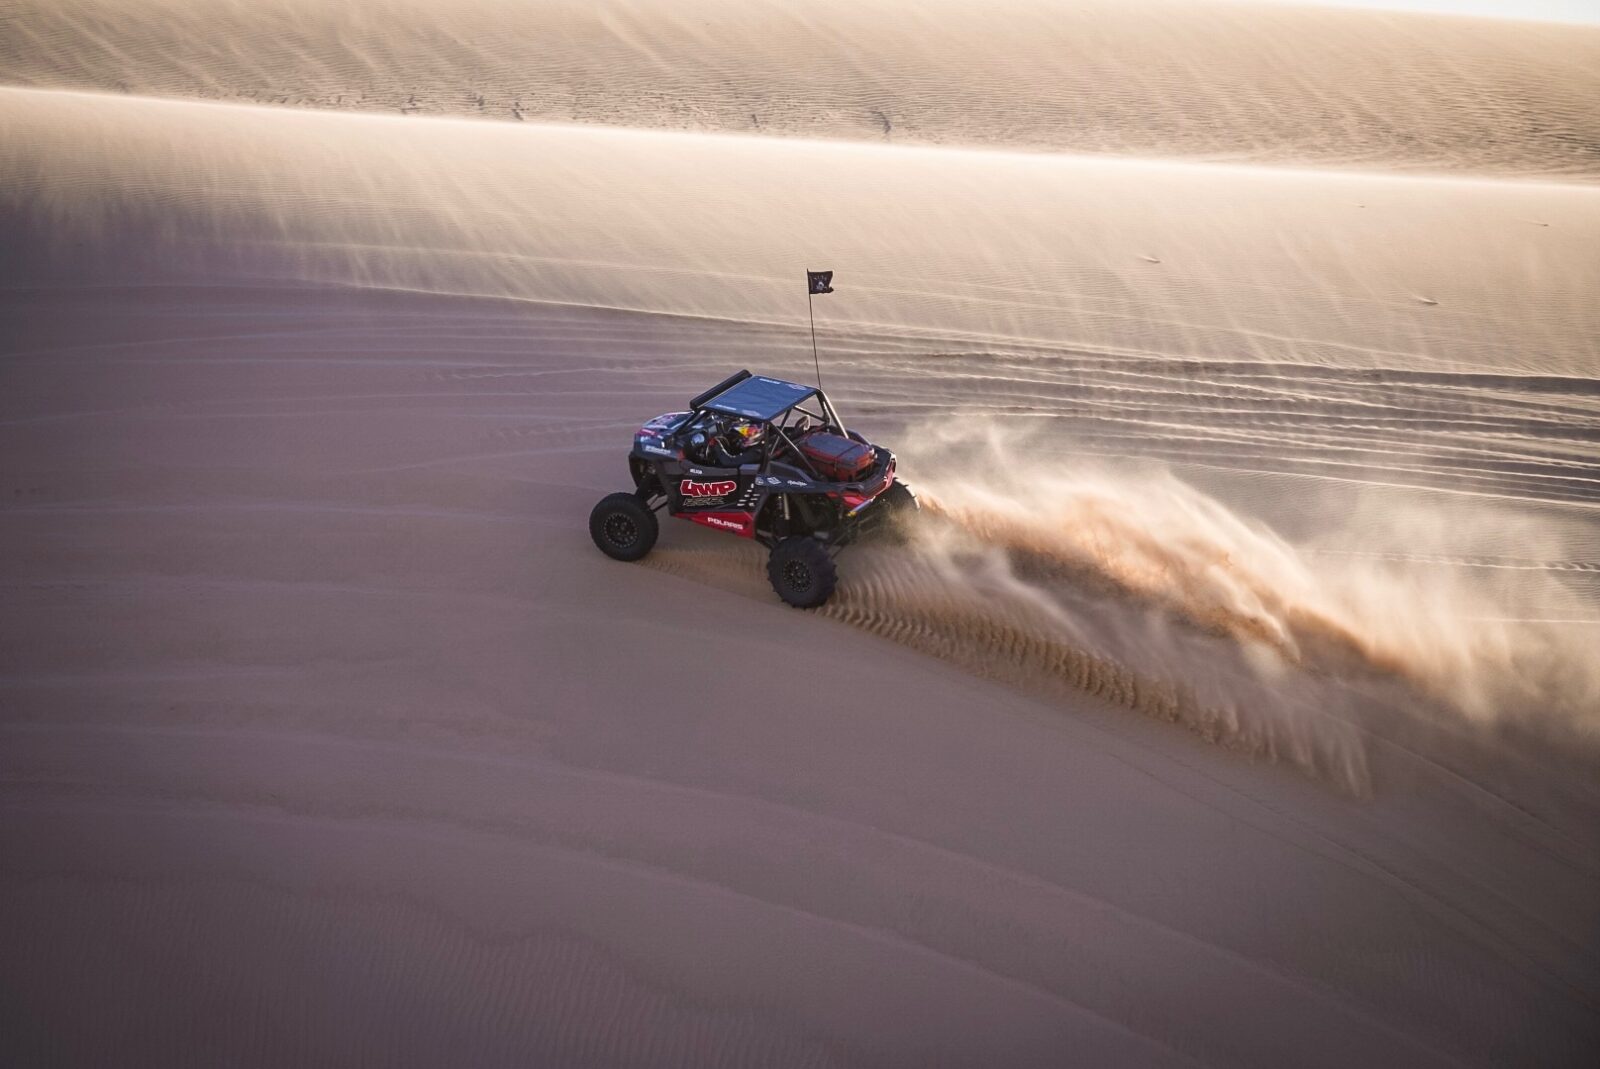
(816, 282)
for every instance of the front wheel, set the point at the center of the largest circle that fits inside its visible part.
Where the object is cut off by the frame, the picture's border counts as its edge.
(802, 572)
(623, 527)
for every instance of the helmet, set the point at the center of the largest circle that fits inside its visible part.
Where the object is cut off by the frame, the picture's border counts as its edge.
(748, 434)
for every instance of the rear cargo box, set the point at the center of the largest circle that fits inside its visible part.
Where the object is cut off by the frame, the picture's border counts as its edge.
(836, 457)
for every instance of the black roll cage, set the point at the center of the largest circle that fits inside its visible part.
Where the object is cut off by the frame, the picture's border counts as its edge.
(828, 418)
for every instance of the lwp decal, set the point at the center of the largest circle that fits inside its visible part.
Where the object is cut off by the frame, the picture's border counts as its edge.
(720, 488)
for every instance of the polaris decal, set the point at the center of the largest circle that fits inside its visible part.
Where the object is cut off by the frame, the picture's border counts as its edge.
(719, 488)
(740, 523)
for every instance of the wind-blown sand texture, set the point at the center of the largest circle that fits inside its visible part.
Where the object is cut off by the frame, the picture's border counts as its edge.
(1235, 705)
(1172, 78)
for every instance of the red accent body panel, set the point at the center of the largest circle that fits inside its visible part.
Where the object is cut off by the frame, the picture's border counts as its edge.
(854, 501)
(741, 523)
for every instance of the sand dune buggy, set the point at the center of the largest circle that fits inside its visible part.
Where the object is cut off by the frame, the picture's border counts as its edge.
(763, 459)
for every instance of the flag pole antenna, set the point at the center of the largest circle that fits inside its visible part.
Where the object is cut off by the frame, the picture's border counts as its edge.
(816, 282)
(815, 361)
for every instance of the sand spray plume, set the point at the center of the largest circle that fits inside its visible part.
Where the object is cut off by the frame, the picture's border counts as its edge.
(972, 610)
(956, 593)
(1148, 536)
(1128, 584)
(945, 596)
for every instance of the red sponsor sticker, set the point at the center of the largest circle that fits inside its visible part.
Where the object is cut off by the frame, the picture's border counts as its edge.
(720, 488)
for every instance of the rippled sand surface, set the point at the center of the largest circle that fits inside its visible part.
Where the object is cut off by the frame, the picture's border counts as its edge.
(1234, 704)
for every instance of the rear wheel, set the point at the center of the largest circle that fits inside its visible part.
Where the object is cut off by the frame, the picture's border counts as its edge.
(902, 506)
(802, 572)
(899, 498)
(892, 515)
(623, 527)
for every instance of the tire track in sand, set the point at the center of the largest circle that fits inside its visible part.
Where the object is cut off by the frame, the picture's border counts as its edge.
(1005, 637)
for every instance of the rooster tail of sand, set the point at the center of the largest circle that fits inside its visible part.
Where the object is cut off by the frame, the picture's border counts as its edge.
(1476, 642)
(1065, 575)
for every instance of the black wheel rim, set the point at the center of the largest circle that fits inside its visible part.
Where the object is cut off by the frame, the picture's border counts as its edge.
(621, 531)
(797, 576)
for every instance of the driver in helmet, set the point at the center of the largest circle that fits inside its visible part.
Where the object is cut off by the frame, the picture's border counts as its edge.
(741, 443)
(746, 439)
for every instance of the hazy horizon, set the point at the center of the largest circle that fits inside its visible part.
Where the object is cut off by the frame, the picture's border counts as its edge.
(1577, 12)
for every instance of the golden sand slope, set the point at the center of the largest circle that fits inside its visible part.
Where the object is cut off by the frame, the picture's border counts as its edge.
(942, 249)
(1281, 333)
(1204, 80)
(1369, 331)
(326, 735)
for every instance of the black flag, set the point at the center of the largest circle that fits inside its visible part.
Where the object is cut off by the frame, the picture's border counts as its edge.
(820, 281)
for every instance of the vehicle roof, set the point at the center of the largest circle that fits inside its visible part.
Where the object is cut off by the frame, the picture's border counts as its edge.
(761, 398)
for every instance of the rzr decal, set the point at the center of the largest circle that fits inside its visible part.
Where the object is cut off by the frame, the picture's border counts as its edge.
(695, 488)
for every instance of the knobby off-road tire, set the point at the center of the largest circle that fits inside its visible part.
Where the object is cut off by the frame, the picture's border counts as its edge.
(623, 527)
(802, 572)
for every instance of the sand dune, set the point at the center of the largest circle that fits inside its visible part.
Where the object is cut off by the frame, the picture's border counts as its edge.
(1216, 81)
(292, 582)
(1278, 336)
(1235, 706)
(1256, 266)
